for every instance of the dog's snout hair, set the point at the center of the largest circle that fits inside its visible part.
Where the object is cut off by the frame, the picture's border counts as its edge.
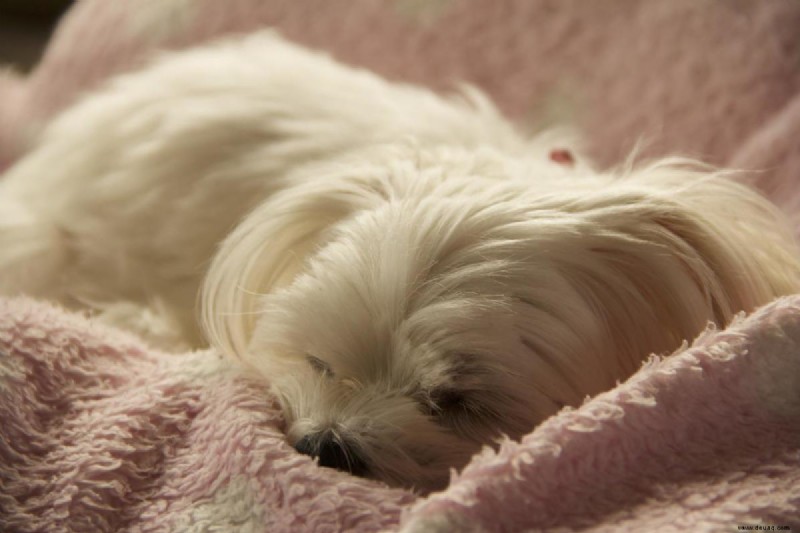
(332, 451)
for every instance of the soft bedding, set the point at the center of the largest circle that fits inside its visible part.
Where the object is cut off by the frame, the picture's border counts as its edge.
(99, 432)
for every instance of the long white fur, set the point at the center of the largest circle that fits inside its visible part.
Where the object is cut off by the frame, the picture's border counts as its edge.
(412, 243)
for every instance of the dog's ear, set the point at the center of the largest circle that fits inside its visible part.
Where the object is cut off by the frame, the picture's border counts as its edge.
(738, 233)
(638, 263)
(269, 248)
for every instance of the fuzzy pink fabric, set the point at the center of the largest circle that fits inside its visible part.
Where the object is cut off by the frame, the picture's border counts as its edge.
(100, 433)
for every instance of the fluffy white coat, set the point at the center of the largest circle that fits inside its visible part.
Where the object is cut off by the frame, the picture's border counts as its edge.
(410, 275)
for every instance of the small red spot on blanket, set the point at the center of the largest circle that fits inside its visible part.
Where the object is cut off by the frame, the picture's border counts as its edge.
(562, 157)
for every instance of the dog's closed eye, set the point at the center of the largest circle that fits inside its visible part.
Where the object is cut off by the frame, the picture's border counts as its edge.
(455, 409)
(446, 404)
(320, 366)
(462, 410)
(448, 400)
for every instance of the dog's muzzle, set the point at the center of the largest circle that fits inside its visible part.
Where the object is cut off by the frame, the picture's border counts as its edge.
(332, 452)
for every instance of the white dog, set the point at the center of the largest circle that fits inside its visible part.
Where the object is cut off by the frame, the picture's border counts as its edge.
(410, 275)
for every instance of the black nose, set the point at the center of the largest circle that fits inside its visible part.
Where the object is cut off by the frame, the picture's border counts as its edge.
(332, 452)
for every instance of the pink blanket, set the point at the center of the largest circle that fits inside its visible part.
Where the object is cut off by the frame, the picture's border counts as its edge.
(100, 433)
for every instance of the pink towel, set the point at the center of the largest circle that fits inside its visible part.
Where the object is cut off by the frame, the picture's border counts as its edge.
(100, 433)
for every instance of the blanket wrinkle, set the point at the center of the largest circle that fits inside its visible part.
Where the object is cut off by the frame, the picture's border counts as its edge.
(684, 456)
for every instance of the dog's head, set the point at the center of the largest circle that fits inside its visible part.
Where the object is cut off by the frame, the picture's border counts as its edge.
(408, 310)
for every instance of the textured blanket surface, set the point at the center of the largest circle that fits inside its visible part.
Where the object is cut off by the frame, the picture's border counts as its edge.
(98, 432)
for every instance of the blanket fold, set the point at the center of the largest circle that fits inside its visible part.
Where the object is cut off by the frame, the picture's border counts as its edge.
(708, 438)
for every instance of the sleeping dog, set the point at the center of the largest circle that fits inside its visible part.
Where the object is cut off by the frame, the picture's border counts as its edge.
(410, 276)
